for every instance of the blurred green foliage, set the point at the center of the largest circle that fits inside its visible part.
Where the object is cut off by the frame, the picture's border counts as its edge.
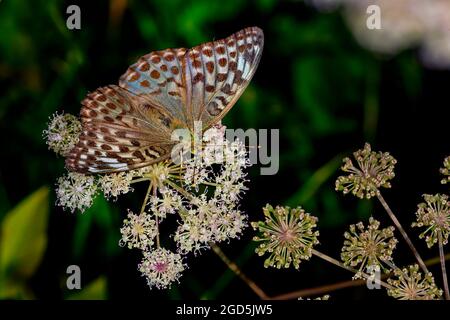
(23, 240)
(325, 94)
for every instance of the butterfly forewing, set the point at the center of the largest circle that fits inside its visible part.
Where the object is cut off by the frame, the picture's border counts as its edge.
(208, 78)
(226, 69)
(158, 77)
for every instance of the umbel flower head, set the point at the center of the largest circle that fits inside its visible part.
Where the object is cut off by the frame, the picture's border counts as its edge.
(446, 171)
(202, 192)
(62, 133)
(76, 191)
(372, 171)
(138, 231)
(409, 284)
(286, 235)
(161, 267)
(368, 247)
(434, 215)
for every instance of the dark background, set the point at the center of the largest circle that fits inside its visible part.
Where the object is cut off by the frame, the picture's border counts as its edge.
(325, 93)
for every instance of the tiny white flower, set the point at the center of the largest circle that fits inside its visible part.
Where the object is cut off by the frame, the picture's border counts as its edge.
(138, 231)
(167, 203)
(161, 267)
(116, 183)
(62, 133)
(76, 191)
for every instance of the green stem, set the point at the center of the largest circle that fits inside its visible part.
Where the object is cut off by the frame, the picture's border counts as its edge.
(179, 189)
(144, 204)
(157, 221)
(140, 180)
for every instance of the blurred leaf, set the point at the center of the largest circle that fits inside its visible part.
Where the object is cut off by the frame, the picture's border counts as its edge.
(4, 202)
(23, 239)
(311, 93)
(96, 290)
(80, 234)
(411, 74)
(364, 209)
(103, 215)
(266, 5)
(316, 33)
(312, 185)
(371, 104)
(332, 213)
(107, 218)
(174, 293)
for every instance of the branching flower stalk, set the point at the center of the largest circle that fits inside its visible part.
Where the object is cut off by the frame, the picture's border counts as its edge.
(228, 262)
(288, 236)
(373, 171)
(201, 188)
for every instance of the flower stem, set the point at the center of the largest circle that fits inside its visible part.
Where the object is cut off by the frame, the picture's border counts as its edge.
(233, 267)
(144, 204)
(180, 190)
(402, 231)
(342, 265)
(157, 221)
(140, 180)
(444, 271)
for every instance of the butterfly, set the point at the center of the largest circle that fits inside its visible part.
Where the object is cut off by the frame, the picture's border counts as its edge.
(129, 126)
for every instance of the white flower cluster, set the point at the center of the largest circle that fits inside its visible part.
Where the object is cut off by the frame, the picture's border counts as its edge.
(207, 220)
(404, 24)
(215, 218)
(202, 192)
(161, 267)
(62, 133)
(76, 191)
(138, 231)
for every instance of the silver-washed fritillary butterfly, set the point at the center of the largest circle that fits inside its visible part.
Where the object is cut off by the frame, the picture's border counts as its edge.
(129, 126)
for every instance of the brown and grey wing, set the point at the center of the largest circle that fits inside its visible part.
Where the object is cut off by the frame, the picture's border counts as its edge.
(119, 134)
(220, 71)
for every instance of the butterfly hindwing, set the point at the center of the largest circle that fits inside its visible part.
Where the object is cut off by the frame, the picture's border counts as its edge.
(158, 77)
(118, 133)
